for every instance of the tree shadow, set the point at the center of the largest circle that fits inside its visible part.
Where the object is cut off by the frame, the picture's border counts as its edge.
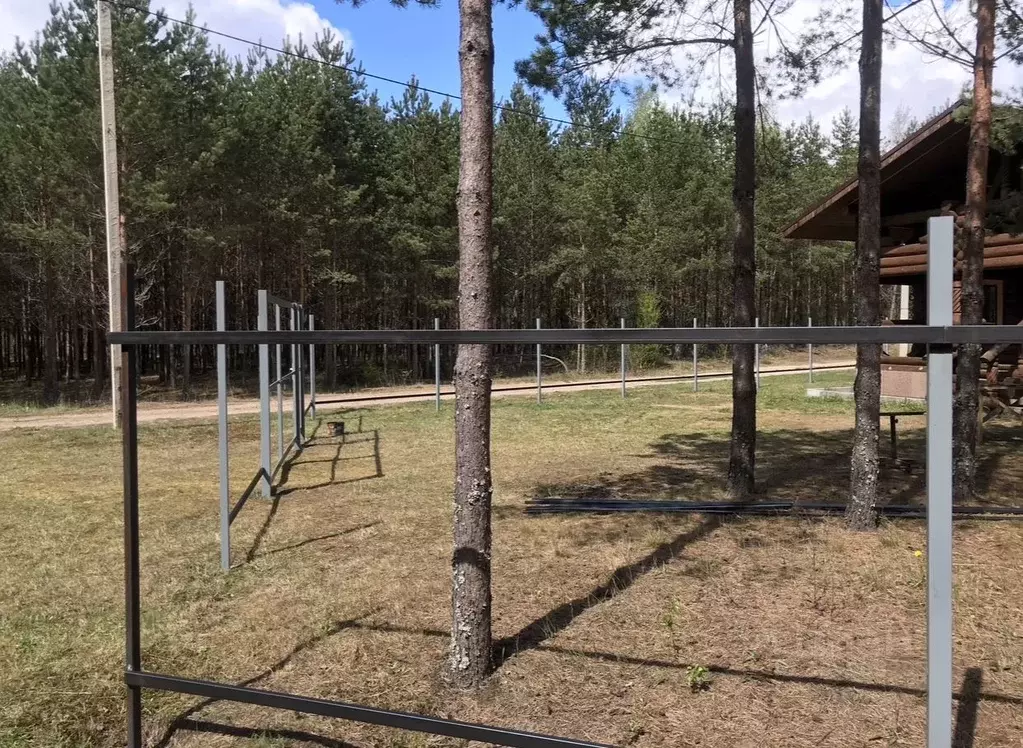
(182, 721)
(965, 730)
(971, 692)
(556, 620)
(792, 465)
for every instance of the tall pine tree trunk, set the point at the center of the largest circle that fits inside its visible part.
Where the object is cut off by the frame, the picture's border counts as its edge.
(861, 513)
(470, 589)
(51, 373)
(742, 462)
(968, 364)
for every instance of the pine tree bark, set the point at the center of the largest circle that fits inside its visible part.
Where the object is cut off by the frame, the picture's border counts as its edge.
(470, 591)
(968, 361)
(742, 460)
(861, 513)
(51, 374)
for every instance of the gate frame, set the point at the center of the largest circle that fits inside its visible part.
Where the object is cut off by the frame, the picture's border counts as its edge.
(939, 335)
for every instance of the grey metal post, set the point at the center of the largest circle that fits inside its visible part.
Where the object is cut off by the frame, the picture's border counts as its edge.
(939, 488)
(809, 347)
(264, 401)
(280, 389)
(696, 365)
(623, 361)
(539, 370)
(130, 460)
(225, 479)
(295, 379)
(756, 355)
(436, 362)
(312, 370)
(300, 377)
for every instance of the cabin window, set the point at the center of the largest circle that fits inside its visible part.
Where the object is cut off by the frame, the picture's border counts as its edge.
(993, 302)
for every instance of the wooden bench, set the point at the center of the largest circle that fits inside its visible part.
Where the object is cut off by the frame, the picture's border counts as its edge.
(893, 420)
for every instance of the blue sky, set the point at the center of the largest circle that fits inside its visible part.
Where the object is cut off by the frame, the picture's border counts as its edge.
(398, 42)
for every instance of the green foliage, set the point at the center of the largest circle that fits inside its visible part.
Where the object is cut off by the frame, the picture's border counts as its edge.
(698, 678)
(648, 314)
(282, 173)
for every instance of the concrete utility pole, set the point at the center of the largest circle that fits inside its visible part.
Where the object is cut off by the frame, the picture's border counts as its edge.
(112, 207)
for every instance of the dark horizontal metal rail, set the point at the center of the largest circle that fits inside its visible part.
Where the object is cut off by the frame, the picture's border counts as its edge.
(559, 505)
(934, 335)
(354, 712)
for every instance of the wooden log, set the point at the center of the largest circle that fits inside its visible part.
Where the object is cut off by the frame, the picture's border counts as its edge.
(995, 240)
(903, 361)
(1011, 261)
(1007, 250)
(906, 249)
(891, 272)
(895, 262)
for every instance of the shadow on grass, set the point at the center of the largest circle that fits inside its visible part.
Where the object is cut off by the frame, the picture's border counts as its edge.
(969, 697)
(265, 733)
(966, 716)
(310, 541)
(556, 620)
(185, 719)
(792, 465)
(373, 437)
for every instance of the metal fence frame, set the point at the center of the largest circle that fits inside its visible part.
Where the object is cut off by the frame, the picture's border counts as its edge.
(263, 479)
(939, 334)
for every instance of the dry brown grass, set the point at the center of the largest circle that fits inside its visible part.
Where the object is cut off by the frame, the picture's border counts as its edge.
(811, 635)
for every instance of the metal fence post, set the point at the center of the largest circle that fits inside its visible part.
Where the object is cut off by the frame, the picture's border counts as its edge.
(539, 370)
(295, 379)
(280, 388)
(225, 479)
(264, 400)
(696, 365)
(939, 488)
(300, 379)
(436, 362)
(756, 356)
(809, 347)
(312, 370)
(130, 459)
(623, 362)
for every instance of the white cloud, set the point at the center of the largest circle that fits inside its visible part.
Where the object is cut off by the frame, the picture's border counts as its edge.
(268, 21)
(21, 19)
(913, 81)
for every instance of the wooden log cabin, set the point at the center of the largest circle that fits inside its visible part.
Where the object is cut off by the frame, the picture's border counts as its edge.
(921, 177)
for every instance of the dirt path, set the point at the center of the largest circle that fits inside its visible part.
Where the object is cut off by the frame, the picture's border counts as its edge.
(385, 396)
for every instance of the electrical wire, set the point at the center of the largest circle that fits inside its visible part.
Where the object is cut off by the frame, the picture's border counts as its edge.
(383, 78)
(160, 15)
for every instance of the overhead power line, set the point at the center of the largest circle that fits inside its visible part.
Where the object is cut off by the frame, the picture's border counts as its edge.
(383, 78)
(446, 94)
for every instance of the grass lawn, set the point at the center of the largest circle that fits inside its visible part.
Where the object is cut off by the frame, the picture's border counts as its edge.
(809, 635)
